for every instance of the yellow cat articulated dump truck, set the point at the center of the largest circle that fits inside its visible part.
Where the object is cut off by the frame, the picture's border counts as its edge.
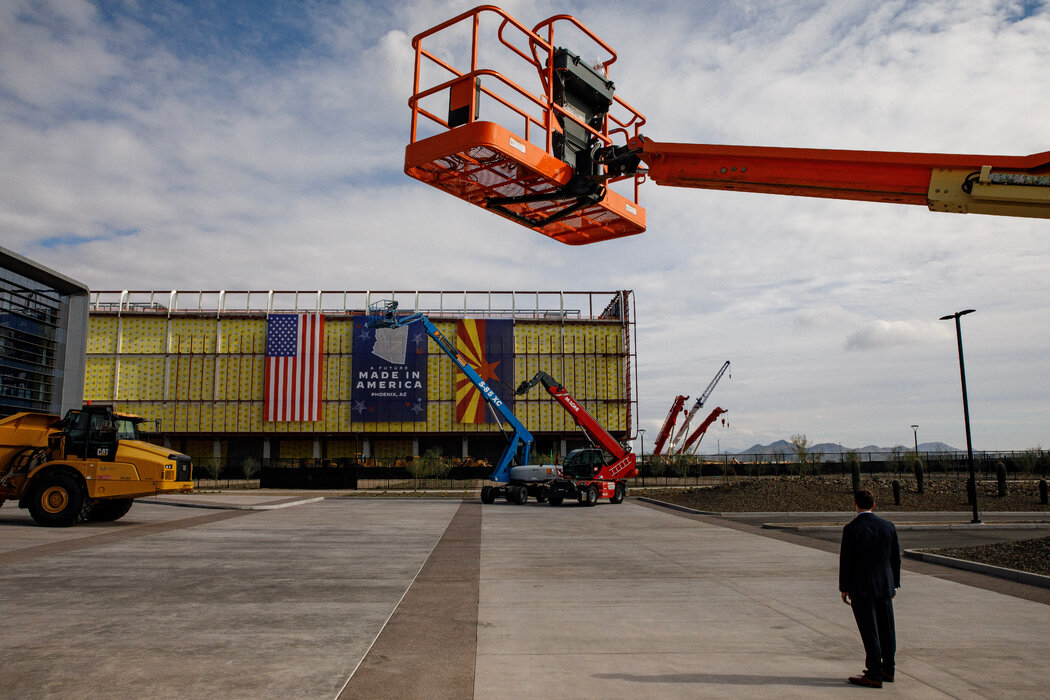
(90, 464)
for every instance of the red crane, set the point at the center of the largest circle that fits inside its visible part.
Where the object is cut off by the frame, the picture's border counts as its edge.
(668, 426)
(676, 447)
(697, 435)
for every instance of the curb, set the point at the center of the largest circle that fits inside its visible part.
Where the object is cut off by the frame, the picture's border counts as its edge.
(988, 569)
(675, 506)
(793, 527)
(209, 506)
(849, 515)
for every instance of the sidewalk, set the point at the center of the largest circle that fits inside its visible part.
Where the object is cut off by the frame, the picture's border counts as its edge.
(432, 597)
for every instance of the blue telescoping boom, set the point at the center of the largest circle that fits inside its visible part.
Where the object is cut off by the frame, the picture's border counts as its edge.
(384, 314)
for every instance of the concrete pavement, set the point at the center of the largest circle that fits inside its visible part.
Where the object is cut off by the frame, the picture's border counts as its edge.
(434, 598)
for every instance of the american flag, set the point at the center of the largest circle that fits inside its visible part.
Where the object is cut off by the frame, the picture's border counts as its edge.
(294, 347)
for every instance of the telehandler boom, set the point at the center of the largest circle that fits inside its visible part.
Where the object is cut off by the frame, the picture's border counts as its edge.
(588, 473)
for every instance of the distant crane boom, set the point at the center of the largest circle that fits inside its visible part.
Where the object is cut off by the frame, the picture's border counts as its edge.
(693, 440)
(684, 430)
(668, 426)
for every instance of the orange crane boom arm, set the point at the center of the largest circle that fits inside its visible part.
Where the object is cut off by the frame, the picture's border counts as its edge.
(668, 426)
(1006, 185)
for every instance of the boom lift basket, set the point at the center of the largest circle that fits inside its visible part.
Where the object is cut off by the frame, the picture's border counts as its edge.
(550, 156)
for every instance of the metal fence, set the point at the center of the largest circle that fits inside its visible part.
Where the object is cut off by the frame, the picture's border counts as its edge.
(447, 474)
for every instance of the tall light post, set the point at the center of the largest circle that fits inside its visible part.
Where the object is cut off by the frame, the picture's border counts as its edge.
(641, 436)
(915, 431)
(971, 486)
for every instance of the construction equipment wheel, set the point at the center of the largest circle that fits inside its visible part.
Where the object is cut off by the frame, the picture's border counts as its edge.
(619, 493)
(108, 510)
(58, 500)
(521, 496)
(554, 500)
(488, 494)
(591, 496)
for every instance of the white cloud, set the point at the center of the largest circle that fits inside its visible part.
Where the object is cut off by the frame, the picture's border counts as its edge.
(878, 334)
(133, 161)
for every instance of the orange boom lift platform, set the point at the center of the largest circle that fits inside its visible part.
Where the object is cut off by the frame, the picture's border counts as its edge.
(561, 153)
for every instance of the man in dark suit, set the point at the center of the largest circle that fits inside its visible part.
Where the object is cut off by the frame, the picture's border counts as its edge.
(869, 576)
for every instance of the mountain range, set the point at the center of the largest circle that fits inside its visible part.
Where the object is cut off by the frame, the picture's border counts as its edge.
(784, 447)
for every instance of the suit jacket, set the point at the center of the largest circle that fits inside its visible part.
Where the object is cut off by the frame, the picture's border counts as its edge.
(869, 558)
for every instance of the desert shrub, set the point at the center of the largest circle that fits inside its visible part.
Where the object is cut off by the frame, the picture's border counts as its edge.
(249, 467)
(800, 446)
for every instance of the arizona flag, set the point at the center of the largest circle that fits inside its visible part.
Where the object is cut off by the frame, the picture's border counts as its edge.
(294, 348)
(488, 347)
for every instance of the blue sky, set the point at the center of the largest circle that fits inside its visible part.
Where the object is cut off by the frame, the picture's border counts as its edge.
(207, 145)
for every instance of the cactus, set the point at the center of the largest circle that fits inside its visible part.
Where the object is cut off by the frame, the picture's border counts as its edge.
(854, 469)
(1042, 491)
(1000, 477)
(919, 476)
(896, 492)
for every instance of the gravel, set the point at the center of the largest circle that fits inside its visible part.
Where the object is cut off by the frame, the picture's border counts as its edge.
(831, 494)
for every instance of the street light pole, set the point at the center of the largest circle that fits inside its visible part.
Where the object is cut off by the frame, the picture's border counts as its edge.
(915, 431)
(641, 437)
(971, 486)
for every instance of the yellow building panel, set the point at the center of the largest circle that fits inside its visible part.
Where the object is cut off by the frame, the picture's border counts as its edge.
(99, 373)
(296, 449)
(208, 417)
(102, 334)
(252, 413)
(143, 334)
(389, 449)
(344, 449)
(222, 377)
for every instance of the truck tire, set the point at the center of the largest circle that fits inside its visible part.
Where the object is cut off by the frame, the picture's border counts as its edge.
(619, 492)
(488, 494)
(521, 496)
(591, 496)
(58, 500)
(108, 510)
(554, 500)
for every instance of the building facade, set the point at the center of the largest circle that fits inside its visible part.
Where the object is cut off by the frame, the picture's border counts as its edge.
(200, 367)
(43, 333)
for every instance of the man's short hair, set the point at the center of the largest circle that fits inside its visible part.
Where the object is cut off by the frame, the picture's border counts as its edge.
(864, 499)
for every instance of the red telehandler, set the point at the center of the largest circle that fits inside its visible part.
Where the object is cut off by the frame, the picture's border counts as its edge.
(551, 144)
(588, 473)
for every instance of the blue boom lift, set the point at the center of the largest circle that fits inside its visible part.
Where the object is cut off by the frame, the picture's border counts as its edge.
(515, 479)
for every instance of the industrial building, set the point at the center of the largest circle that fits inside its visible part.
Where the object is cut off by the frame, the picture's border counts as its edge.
(202, 367)
(43, 333)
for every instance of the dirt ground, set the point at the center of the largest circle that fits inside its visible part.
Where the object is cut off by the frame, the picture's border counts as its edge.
(828, 494)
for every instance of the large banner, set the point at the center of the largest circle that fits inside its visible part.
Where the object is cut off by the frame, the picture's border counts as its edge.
(488, 347)
(389, 369)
